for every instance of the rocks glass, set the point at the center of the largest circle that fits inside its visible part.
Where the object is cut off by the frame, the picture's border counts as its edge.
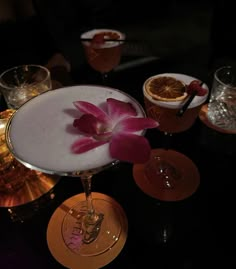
(21, 83)
(222, 104)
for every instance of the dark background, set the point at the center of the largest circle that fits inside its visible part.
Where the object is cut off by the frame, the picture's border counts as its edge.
(182, 36)
(164, 28)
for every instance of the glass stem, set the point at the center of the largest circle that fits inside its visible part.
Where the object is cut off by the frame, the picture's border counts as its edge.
(166, 170)
(87, 181)
(167, 140)
(105, 79)
(92, 221)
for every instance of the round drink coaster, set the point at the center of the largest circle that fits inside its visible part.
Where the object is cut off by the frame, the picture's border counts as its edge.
(184, 186)
(203, 117)
(70, 259)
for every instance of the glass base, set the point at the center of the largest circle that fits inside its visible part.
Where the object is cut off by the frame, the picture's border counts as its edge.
(60, 230)
(182, 183)
(108, 228)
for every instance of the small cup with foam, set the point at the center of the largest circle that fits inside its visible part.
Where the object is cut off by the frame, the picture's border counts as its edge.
(103, 48)
(165, 94)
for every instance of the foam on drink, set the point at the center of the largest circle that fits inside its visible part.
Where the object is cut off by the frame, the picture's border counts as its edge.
(90, 35)
(165, 112)
(41, 131)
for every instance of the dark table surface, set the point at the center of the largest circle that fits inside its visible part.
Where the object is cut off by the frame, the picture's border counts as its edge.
(201, 229)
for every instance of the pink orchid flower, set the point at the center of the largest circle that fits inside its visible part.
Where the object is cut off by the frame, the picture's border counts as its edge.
(116, 126)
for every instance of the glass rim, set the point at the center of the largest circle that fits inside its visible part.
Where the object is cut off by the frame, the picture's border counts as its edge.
(98, 30)
(216, 76)
(87, 34)
(199, 100)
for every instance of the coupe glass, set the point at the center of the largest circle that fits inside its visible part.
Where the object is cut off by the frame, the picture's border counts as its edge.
(171, 175)
(40, 135)
(103, 54)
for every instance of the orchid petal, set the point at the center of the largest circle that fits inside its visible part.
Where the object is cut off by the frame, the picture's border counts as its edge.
(89, 124)
(118, 109)
(130, 148)
(115, 125)
(89, 108)
(135, 124)
(103, 136)
(85, 144)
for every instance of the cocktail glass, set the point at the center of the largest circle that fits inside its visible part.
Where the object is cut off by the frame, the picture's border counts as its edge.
(173, 173)
(169, 175)
(90, 226)
(103, 49)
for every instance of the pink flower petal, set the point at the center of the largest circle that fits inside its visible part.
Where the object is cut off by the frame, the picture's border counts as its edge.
(89, 108)
(118, 109)
(90, 125)
(117, 128)
(85, 144)
(87, 124)
(135, 124)
(106, 136)
(130, 148)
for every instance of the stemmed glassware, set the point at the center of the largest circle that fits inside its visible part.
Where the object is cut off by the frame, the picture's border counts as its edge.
(54, 133)
(103, 49)
(170, 175)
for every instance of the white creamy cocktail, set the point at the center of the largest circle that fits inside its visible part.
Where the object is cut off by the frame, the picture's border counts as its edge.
(41, 132)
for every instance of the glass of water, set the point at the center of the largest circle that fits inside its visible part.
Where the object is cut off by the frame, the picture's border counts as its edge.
(222, 103)
(21, 83)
